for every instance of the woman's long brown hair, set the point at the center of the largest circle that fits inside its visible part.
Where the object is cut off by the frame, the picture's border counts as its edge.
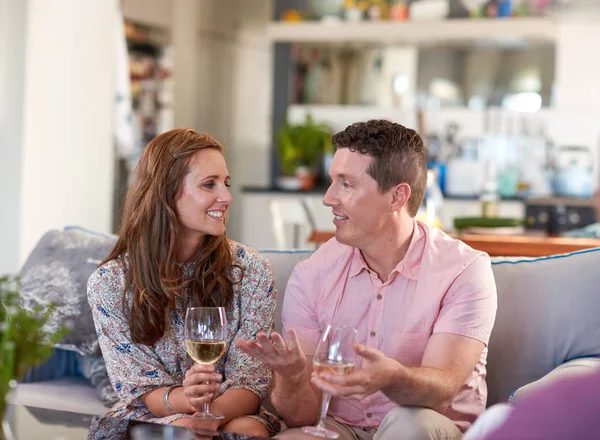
(148, 239)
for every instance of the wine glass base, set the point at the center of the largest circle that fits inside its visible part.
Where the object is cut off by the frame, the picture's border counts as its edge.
(320, 432)
(206, 416)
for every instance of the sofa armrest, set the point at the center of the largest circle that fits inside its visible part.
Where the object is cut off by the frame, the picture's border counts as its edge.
(575, 367)
(71, 394)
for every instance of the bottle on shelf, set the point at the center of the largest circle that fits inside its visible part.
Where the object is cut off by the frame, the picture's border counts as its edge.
(430, 211)
(489, 195)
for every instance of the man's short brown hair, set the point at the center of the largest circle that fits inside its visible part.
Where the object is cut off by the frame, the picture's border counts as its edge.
(398, 155)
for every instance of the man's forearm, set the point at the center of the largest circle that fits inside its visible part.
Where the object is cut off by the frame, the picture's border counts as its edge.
(295, 400)
(421, 386)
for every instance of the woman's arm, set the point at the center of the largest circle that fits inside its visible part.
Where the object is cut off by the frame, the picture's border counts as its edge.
(135, 370)
(179, 403)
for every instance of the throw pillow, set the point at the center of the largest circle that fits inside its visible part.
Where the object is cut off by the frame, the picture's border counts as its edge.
(56, 272)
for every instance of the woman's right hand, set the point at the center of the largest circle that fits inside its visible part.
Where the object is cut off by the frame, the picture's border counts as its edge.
(195, 387)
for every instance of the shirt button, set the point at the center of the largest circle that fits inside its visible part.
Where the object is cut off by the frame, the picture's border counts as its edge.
(379, 296)
(369, 415)
(372, 333)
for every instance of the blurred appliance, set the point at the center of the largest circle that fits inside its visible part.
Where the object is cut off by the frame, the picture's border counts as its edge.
(555, 215)
(574, 172)
(463, 177)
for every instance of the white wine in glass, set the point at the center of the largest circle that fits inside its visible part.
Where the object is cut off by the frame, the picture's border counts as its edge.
(205, 341)
(334, 355)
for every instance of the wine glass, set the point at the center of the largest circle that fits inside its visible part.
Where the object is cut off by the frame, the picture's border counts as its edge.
(205, 341)
(335, 354)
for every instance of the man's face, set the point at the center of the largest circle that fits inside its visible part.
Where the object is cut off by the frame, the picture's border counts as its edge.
(361, 212)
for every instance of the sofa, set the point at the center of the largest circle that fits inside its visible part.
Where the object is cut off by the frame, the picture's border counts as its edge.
(547, 327)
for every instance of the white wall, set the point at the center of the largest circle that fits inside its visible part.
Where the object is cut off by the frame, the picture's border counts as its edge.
(12, 67)
(186, 44)
(223, 84)
(578, 66)
(67, 156)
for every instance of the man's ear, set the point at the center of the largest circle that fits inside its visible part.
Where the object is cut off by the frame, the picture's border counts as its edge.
(400, 196)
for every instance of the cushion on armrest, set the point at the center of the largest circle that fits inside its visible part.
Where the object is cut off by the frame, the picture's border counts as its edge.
(575, 367)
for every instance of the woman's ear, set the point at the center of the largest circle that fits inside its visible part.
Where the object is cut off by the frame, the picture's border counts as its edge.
(401, 195)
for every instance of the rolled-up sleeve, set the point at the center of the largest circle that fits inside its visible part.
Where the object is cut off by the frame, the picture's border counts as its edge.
(133, 369)
(469, 306)
(258, 298)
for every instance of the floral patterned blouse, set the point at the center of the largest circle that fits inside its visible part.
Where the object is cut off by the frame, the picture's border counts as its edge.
(135, 369)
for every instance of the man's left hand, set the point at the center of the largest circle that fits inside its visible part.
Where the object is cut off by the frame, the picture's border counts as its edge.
(377, 372)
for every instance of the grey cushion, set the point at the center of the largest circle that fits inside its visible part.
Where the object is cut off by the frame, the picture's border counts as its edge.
(56, 272)
(283, 263)
(548, 314)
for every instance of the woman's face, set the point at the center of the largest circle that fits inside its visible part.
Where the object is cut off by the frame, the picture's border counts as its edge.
(204, 197)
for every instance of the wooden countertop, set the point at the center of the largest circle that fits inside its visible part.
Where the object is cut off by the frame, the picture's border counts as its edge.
(506, 245)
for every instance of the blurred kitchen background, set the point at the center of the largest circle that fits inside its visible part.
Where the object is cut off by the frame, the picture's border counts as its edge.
(506, 94)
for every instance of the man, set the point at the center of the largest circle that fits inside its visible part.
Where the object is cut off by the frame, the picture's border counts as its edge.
(423, 303)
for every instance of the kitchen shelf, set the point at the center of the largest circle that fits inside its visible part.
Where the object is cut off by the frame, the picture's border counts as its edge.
(494, 32)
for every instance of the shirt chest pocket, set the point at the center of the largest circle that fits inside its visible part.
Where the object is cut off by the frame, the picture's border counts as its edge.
(408, 348)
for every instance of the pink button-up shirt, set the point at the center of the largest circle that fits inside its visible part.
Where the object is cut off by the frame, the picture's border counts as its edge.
(441, 286)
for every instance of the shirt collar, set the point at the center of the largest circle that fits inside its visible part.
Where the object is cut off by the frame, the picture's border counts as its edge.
(410, 264)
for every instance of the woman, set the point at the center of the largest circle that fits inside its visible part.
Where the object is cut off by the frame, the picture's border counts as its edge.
(172, 253)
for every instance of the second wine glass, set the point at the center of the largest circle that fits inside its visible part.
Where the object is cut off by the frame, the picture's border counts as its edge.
(205, 341)
(335, 355)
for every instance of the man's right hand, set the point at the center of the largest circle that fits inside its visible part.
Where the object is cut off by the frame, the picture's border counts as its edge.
(287, 360)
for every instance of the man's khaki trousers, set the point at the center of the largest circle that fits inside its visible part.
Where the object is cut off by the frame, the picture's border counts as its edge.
(401, 423)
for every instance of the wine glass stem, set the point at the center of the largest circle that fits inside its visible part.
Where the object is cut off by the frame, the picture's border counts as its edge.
(205, 409)
(324, 408)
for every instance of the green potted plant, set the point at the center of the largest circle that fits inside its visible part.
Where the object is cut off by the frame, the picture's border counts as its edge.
(23, 341)
(300, 148)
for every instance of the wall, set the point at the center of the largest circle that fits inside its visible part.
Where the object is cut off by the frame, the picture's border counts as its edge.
(67, 154)
(12, 67)
(223, 83)
(56, 152)
(578, 66)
